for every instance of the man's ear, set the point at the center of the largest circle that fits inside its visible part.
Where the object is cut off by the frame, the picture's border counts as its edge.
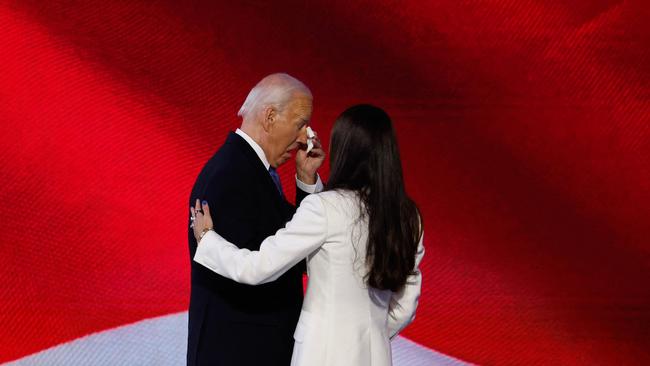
(270, 116)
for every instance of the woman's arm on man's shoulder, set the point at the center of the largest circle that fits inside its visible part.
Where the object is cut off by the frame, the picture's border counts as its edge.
(278, 253)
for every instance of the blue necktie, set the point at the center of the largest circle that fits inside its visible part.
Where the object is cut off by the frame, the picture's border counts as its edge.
(276, 180)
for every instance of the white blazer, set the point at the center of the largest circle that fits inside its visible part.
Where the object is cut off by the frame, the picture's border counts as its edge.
(343, 321)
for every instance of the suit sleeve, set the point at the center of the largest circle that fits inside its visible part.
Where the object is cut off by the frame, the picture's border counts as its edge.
(278, 253)
(300, 195)
(401, 311)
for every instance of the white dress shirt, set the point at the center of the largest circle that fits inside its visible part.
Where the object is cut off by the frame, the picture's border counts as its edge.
(309, 188)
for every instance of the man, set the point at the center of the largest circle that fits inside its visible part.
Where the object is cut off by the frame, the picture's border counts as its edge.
(230, 323)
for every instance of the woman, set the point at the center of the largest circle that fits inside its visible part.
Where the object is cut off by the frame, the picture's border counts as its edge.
(362, 238)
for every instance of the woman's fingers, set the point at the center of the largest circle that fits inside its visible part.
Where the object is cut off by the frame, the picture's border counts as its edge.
(208, 218)
(206, 208)
(196, 223)
(201, 218)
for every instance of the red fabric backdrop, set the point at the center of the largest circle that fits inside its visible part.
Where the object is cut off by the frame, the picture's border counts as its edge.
(523, 127)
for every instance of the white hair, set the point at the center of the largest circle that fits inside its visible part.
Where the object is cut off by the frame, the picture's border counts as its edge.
(274, 90)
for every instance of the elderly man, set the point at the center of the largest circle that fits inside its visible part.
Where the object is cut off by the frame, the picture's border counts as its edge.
(230, 323)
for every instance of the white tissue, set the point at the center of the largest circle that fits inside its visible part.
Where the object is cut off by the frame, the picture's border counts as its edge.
(310, 139)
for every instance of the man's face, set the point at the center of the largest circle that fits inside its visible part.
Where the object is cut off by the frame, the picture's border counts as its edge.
(289, 130)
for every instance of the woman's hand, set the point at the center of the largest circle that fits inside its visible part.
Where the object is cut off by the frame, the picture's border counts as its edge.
(201, 219)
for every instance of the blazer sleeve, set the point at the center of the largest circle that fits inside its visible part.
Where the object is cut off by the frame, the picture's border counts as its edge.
(401, 311)
(305, 233)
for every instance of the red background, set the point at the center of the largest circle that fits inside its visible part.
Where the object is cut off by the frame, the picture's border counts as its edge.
(523, 127)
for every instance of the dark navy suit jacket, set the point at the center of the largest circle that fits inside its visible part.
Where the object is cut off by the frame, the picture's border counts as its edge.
(231, 323)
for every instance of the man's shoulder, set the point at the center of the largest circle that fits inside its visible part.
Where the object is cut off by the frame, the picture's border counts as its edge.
(230, 157)
(230, 171)
(228, 151)
(226, 169)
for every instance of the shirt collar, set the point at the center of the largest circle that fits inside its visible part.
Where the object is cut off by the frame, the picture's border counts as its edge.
(257, 148)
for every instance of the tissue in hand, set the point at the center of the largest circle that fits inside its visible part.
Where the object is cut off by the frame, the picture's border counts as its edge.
(310, 139)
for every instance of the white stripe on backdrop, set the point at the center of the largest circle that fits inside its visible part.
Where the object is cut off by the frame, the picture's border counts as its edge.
(162, 342)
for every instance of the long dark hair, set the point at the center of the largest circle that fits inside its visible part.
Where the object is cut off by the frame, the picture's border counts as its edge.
(364, 158)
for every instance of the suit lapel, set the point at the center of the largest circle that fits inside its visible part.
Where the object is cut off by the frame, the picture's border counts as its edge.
(260, 171)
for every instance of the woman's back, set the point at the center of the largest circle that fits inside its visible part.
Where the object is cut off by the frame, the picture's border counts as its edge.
(343, 321)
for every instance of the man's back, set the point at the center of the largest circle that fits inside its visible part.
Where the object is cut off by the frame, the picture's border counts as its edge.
(230, 323)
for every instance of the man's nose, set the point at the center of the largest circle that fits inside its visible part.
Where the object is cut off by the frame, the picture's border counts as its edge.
(302, 135)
